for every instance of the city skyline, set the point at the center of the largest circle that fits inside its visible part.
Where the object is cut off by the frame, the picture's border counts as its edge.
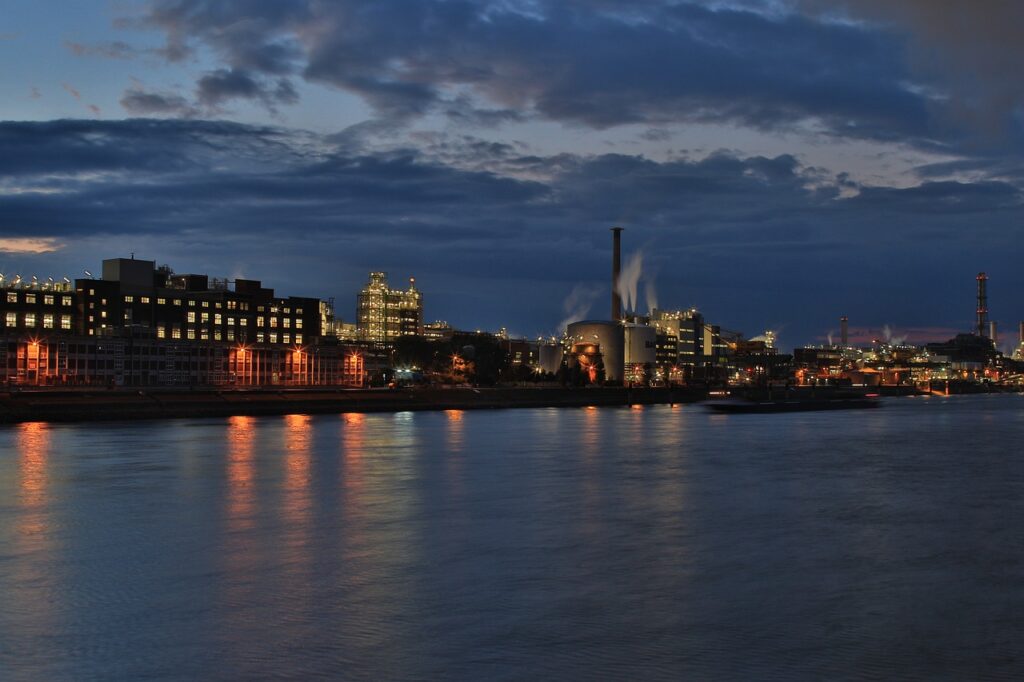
(870, 169)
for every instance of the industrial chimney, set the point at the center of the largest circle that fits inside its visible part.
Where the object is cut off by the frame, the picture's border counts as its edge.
(844, 331)
(982, 303)
(616, 269)
(1021, 333)
(992, 333)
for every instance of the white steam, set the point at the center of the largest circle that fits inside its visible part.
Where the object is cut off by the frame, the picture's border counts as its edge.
(577, 304)
(890, 336)
(629, 281)
(650, 295)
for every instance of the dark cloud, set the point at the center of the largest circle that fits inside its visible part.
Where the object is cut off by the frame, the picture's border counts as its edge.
(140, 102)
(599, 64)
(971, 53)
(221, 86)
(751, 240)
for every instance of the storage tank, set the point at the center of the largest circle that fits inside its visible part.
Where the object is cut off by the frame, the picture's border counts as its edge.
(549, 357)
(641, 344)
(606, 334)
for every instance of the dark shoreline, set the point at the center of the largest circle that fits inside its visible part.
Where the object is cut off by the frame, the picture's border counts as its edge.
(123, 404)
(81, 405)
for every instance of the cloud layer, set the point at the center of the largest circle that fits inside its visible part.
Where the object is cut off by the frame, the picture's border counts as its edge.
(597, 64)
(499, 237)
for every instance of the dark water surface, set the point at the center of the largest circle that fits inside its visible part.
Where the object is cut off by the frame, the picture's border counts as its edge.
(653, 543)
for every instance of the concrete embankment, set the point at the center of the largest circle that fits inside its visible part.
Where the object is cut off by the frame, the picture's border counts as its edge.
(124, 404)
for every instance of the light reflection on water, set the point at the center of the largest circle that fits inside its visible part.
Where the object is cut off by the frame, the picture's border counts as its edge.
(647, 542)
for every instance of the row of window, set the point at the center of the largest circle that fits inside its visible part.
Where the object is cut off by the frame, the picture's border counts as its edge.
(30, 320)
(176, 332)
(48, 299)
(231, 305)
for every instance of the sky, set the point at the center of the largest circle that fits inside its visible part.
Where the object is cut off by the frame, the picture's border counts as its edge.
(776, 164)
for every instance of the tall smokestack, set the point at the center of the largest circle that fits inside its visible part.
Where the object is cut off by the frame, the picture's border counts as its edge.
(993, 333)
(982, 303)
(844, 331)
(1021, 339)
(616, 270)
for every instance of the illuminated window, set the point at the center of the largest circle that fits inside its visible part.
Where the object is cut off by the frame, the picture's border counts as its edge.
(217, 318)
(287, 311)
(65, 322)
(12, 319)
(260, 321)
(30, 319)
(192, 302)
(232, 305)
(177, 301)
(65, 300)
(161, 332)
(103, 301)
(273, 337)
(273, 322)
(244, 322)
(298, 323)
(217, 305)
(30, 298)
(298, 338)
(12, 296)
(48, 299)
(231, 334)
(129, 299)
(216, 335)
(175, 332)
(103, 314)
(47, 321)
(231, 321)
(287, 323)
(286, 338)
(190, 316)
(259, 337)
(206, 304)
(192, 334)
(205, 317)
(144, 299)
(92, 292)
(298, 311)
(161, 301)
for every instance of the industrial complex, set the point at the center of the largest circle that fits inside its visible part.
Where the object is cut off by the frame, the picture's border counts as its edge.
(139, 324)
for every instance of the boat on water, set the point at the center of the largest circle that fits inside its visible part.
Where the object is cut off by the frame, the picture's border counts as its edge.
(801, 402)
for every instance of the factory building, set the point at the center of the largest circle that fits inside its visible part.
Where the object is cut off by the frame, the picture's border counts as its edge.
(384, 314)
(135, 293)
(143, 325)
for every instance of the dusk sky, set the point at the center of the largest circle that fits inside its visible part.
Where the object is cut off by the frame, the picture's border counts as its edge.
(777, 164)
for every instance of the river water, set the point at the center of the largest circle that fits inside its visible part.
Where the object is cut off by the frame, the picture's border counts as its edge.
(648, 543)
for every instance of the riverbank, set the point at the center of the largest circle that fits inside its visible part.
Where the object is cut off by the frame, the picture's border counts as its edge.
(111, 405)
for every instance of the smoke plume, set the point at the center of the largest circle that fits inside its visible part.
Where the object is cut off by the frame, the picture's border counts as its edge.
(577, 304)
(629, 281)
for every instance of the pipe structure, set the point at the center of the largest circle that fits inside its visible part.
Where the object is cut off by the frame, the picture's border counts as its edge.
(982, 311)
(616, 270)
(844, 331)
